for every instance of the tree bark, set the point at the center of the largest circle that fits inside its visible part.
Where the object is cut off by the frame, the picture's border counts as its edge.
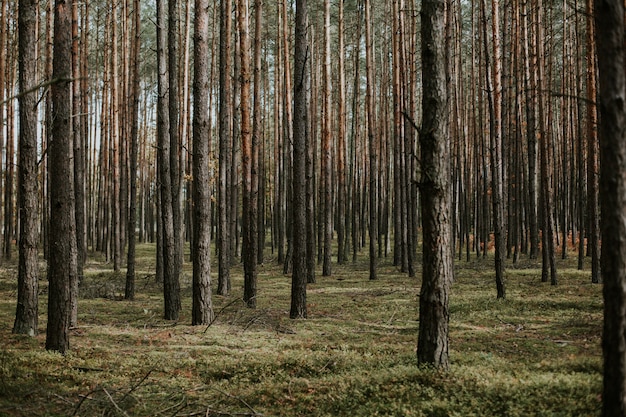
(371, 139)
(202, 306)
(61, 264)
(592, 150)
(26, 315)
(129, 292)
(248, 219)
(171, 285)
(609, 19)
(299, 271)
(225, 141)
(437, 272)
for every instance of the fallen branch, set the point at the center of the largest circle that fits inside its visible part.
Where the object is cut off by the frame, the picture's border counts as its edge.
(117, 407)
(241, 400)
(133, 388)
(216, 315)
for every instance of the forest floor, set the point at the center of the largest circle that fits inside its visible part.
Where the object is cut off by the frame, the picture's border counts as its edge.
(536, 354)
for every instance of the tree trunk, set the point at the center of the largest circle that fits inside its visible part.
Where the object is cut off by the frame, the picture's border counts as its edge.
(202, 306)
(609, 19)
(175, 144)
(370, 104)
(342, 253)
(78, 140)
(299, 272)
(327, 204)
(26, 315)
(437, 274)
(61, 264)
(171, 286)
(225, 141)
(592, 150)
(129, 292)
(249, 205)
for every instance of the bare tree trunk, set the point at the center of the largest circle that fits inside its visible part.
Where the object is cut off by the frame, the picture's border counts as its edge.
(299, 274)
(437, 274)
(62, 263)
(248, 223)
(342, 253)
(202, 306)
(549, 262)
(370, 104)
(175, 144)
(129, 292)
(171, 285)
(609, 19)
(592, 149)
(257, 138)
(78, 141)
(225, 141)
(326, 175)
(26, 315)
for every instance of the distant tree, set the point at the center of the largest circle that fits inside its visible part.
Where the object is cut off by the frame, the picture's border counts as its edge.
(326, 157)
(61, 263)
(171, 285)
(299, 272)
(437, 272)
(372, 135)
(249, 252)
(592, 150)
(609, 17)
(26, 315)
(202, 307)
(225, 149)
(129, 292)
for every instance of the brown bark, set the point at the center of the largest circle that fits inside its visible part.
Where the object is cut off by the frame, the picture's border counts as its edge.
(299, 273)
(202, 307)
(129, 292)
(432, 345)
(592, 150)
(225, 141)
(26, 315)
(61, 264)
(609, 19)
(248, 222)
(171, 285)
(370, 105)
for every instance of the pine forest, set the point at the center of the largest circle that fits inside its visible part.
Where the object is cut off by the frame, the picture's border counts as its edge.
(313, 207)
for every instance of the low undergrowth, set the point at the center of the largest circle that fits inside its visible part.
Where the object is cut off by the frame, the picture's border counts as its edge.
(537, 353)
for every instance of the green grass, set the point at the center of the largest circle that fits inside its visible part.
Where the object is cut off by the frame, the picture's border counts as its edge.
(537, 353)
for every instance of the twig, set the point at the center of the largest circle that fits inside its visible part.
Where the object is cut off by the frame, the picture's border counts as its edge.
(133, 388)
(216, 315)
(241, 400)
(117, 407)
(82, 400)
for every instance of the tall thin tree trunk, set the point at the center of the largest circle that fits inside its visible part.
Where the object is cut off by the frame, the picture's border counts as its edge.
(78, 141)
(327, 204)
(249, 205)
(370, 104)
(299, 272)
(26, 315)
(62, 263)
(175, 144)
(437, 274)
(225, 141)
(171, 285)
(202, 306)
(129, 292)
(342, 254)
(609, 19)
(592, 149)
